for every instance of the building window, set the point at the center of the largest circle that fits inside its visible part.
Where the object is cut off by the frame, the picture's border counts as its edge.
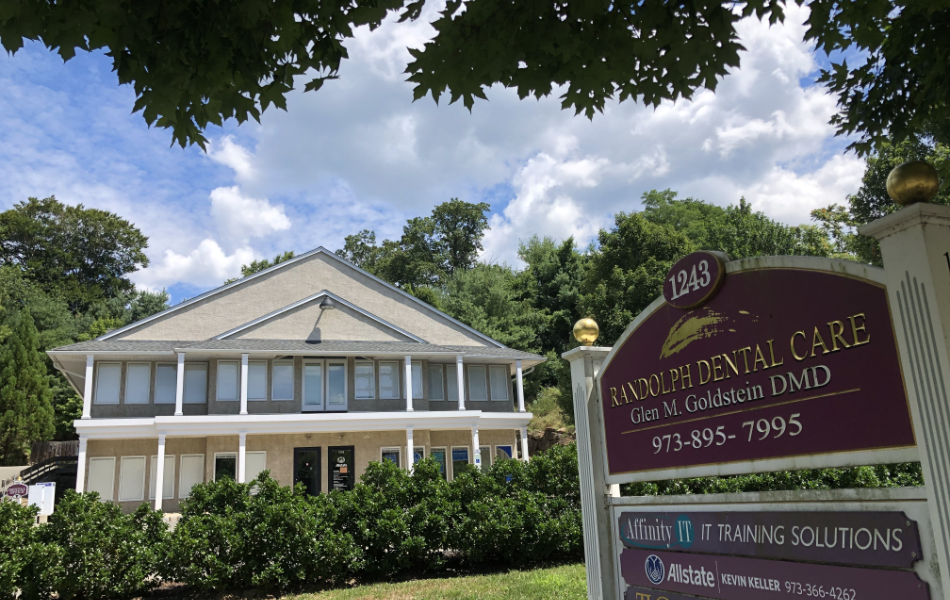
(499, 383)
(418, 454)
(138, 378)
(438, 454)
(132, 479)
(107, 383)
(196, 384)
(485, 455)
(102, 477)
(389, 380)
(459, 459)
(229, 372)
(255, 463)
(257, 380)
(168, 479)
(390, 454)
(336, 385)
(365, 381)
(192, 473)
(313, 385)
(417, 380)
(166, 383)
(477, 383)
(283, 380)
(225, 465)
(452, 383)
(436, 391)
(503, 452)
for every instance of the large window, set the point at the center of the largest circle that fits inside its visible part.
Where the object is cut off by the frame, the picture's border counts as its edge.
(477, 383)
(503, 452)
(417, 380)
(459, 459)
(336, 385)
(436, 390)
(499, 383)
(225, 465)
(438, 454)
(254, 464)
(365, 380)
(229, 374)
(168, 479)
(257, 380)
(389, 380)
(313, 385)
(132, 479)
(102, 477)
(166, 383)
(108, 381)
(196, 384)
(283, 380)
(390, 454)
(192, 473)
(452, 383)
(485, 456)
(138, 379)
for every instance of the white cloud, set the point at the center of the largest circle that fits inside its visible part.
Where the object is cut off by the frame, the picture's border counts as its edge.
(231, 154)
(206, 266)
(240, 217)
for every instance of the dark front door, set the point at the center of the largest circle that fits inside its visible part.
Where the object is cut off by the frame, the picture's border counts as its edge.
(341, 467)
(307, 469)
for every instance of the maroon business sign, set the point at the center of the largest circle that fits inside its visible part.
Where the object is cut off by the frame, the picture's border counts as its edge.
(863, 538)
(694, 279)
(781, 362)
(732, 578)
(18, 490)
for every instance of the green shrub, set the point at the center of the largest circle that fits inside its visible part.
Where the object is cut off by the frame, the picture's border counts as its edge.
(98, 551)
(25, 562)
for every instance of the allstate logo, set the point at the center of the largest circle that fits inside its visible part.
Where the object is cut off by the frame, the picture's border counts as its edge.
(654, 569)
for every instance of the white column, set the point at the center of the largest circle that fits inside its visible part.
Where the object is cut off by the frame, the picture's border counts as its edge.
(160, 472)
(915, 246)
(87, 389)
(408, 383)
(242, 454)
(81, 466)
(524, 444)
(244, 384)
(180, 388)
(520, 385)
(600, 547)
(411, 455)
(476, 453)
(460, 378)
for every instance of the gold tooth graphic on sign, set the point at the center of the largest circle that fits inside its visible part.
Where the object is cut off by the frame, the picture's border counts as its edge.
(701, 324)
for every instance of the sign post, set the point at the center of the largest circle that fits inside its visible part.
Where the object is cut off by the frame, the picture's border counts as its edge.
(774, 364)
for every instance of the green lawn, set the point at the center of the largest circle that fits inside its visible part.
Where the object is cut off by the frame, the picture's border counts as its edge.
(559, 583)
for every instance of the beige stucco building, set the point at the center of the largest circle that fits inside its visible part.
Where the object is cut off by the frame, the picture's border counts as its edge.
(310, 369)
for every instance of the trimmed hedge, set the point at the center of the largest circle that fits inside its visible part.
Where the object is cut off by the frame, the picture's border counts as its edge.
(234, 535)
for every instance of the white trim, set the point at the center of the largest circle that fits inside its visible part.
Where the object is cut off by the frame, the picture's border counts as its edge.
(397, 449)
(313, 298)
(314, 252)
(205, 425)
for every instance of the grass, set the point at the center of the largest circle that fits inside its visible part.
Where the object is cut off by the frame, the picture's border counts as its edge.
(564, 582)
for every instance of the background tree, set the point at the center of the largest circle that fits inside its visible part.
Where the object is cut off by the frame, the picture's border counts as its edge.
(257, 266)
(81, 254)
(26, 410)
(194, 63)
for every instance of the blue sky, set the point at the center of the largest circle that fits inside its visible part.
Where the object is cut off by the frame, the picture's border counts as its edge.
(360, 154)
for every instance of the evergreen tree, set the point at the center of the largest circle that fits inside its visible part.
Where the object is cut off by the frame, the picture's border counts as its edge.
(26, 409)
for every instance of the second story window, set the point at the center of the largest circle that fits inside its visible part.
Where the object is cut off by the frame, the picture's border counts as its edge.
(435, 383)
(499, 383)
(257, 380)
(108, 382)
(477, 383)
(283, 380)
(196, 384)
(416, 380)
(137, 383)
(228, 381)
(365, 380)
(452, 383)
(389, 380)
(166, 383)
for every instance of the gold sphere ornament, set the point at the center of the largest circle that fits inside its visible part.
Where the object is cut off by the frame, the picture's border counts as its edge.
(913, 182)
(586, 331)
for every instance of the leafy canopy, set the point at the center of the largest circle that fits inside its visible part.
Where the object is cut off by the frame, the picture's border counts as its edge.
(194, 63)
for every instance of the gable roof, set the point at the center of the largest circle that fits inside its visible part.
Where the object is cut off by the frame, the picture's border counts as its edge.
(309, 299)
(319, 250)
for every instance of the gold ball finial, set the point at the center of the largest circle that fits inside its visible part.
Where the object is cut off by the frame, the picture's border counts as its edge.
(586, 331)
(913, 182)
